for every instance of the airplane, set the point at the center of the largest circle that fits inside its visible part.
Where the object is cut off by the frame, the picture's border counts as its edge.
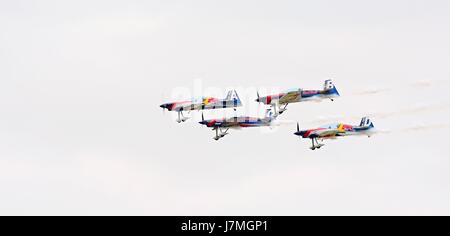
(230, 101)
(299, 95)
(333, 131)
(237, 122)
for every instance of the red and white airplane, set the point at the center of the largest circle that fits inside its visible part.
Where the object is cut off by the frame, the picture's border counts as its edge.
(333, 131)
(237, 122)
(231, 101)
(329, 91)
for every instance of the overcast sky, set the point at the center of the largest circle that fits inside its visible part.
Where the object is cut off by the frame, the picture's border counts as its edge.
(81, 131)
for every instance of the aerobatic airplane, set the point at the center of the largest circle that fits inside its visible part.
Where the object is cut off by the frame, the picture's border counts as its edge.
(333, 131)
(231, 101)
(299, 95)
(237, 122)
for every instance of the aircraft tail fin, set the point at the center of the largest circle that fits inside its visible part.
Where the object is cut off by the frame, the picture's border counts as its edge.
(233, 96)
(329, 87)
(366, 122)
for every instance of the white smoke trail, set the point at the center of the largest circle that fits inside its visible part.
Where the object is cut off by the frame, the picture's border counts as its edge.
(412, 129)
(372, 91)
(423, 83)
(413, 85)
(418, 108)
(423, 127)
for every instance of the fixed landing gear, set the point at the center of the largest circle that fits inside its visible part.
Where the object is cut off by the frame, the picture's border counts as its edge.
(316, 144)
(283, 109)
(274, 106)
(221, 135)
(181, 118)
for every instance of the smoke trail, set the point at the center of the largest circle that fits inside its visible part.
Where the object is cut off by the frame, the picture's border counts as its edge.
(412, 85)
(371, 91)
(422, 83)
(419, 108)
(414, 128)
(423, 127)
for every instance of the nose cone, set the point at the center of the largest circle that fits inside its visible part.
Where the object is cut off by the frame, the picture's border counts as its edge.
(166, 106)
(300, 133)
(209, 123)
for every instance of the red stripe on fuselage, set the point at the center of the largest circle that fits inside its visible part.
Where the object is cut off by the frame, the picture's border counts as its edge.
(211, 123)
(172, 106)
(347, 127)
(308, 132)
(272, 97)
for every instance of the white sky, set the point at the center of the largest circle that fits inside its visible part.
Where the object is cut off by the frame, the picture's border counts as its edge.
(81, 131)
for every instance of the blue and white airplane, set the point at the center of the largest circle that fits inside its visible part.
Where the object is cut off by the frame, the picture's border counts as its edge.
(224, 124)
(333, 131)
(204, 103)
(329, 91)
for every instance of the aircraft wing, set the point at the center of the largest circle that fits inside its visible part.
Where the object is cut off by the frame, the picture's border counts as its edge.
(228, 124)
(324, 133)
(208, 103)
(213, 105)
(191, 106)
(290, 97)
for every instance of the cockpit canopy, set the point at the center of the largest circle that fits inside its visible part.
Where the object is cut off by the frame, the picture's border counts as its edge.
(331, 126)
(292, 90)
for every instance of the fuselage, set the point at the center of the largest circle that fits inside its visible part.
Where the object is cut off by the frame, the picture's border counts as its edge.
(331, 131)
(201, 104)
(240, 121)
(298, 95)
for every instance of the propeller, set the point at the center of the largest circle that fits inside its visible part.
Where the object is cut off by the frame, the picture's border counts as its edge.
(259, 102)
(203, 118)
(163, 109)
(163, 98)
(298, 127)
